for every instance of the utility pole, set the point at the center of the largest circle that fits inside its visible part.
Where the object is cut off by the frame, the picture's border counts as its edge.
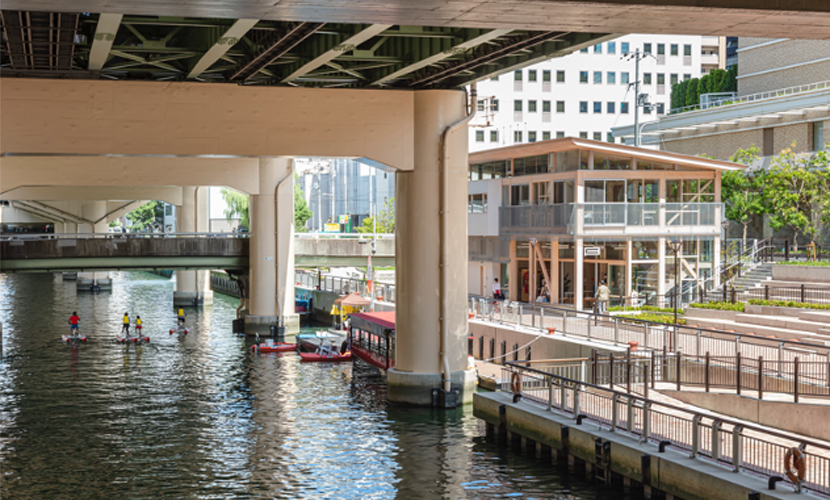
(374, 215)
(640, 100)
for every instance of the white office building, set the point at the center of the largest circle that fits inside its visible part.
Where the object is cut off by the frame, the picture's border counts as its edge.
(587, 93)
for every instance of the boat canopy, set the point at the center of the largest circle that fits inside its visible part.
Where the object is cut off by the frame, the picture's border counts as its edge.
(352, 300)
(378, 323)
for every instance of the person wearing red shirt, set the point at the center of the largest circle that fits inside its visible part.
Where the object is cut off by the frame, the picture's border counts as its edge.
(73, 321)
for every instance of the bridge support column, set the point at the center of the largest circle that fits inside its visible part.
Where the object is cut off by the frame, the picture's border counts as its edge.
(431, 258)
(96, 213)
(272, 250)
(192, 287)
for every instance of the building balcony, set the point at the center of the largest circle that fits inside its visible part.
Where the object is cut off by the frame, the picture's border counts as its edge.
(608, 219)
(709, 41)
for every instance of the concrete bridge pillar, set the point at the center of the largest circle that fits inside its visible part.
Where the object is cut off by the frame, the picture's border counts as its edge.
(431, 258)
(192, 287)
(271, 289)
(95, 212)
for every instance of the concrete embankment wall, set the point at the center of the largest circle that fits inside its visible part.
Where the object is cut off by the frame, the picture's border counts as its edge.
(805, 274)
(221, 283)
(672, 472)
(543, 346)
(802, 418)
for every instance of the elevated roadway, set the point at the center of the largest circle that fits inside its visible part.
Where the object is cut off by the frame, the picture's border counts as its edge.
(182, 251)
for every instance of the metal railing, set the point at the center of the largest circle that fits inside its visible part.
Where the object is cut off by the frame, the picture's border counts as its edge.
(110, 236)
(343, 285)
(542, 219)
(760, 96)
(641, 334)
(798, 294)
(728, 443)
(343, 236)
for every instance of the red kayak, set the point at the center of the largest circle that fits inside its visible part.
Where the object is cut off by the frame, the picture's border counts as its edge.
(70, 338)
(124, 340)
(278, 347)
(183, 331)
(332, 358)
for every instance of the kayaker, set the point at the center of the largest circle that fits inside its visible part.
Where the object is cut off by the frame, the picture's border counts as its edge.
(125, 326)
(73, 322)
(181, 317)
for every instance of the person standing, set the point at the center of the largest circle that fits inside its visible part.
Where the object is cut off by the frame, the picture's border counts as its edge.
(73, 323)
(138, 325)
(602, 297)
(181, 317)
(125, 324)
(497, 290)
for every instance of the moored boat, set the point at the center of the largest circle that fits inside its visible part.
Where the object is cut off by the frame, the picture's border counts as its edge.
(278, 347)
(331, 358)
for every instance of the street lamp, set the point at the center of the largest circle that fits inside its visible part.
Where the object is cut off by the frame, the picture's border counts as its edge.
(675, 246)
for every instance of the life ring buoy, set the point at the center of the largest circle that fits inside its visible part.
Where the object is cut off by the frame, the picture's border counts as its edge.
(516, 383)
(795, 465)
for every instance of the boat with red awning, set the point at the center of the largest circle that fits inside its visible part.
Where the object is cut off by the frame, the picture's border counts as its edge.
(372, 338)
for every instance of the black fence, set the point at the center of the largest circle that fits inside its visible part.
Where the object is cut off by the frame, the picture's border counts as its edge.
(802, 294)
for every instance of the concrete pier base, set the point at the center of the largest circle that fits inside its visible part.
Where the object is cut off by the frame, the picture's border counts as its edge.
(414, 388)
(192, 299)
(69, 276)
(261, 325)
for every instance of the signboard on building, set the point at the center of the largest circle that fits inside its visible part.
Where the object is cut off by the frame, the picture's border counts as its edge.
(332, 228)
(344, 219)
(592, 251)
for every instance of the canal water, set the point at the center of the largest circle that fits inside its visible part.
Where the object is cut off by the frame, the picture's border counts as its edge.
(204, 417)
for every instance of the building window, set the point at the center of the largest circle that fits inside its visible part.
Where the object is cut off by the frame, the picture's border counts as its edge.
(661, 49)
(597, 76)
(583, 106)
(494, 136)
(687, 50)
(647, 48)
(819, 142)
(661, 109)
(494, 106)
(612, 47)
(531, 136)
(583, 77)
(609, 137)
(661, 79)
(545, 106)
(597, 107)
(546, 136)
(477, 203)
(597, 136)
(546, 76)
(598, 48)
(673, 78)
(647, 110)
(611, 78)
(517, 105)
(687, 76)
(560, 134)
(584, 50)
(583, 135)
(646, 78)
(531, 164)
(769, 142)
(531, 106)
(624, 108)
(624, 78)
(610, 107)
(479, 136)
(517, 136)
(560, 76)
(560, 106)
(494, 79)
(480, 106)
(673, 49)
(517, 75)
(531, 75)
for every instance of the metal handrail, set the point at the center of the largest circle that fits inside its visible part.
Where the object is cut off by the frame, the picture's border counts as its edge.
(90, 236)
(544, 388)
(759, 96)
(344, 236)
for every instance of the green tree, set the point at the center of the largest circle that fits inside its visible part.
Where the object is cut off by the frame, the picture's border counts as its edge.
(237, 206)
(301, 211)
(147, 215)
(692, 95)
(742, 191)
(386, 220)
(798, 190)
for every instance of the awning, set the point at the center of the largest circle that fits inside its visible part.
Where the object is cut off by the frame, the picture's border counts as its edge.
(353, 300)
(378, 323)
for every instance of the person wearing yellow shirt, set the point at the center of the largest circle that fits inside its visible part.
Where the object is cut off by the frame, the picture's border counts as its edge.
(181, 317)
(138, 325)
(125, 327)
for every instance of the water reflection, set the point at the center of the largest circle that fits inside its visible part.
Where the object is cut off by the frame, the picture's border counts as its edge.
(201, 416)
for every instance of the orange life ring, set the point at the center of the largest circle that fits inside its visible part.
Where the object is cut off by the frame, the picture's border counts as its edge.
(516, 383)
(795, 465)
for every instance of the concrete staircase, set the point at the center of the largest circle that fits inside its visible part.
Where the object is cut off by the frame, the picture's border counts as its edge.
(757, 276)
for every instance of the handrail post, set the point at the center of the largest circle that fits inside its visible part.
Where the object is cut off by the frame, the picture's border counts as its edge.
(706, 373)
(646, 418)
(795, 379)
(629, 423)
(738, 372)
(697, 347)
(679, 370)
(696, 435)
(589, 326)
(564, 322)
(616, 331)
(716, 424)
(760, 377)
(562, 395)
(542, 318)
(615, 412)
(519, 318)
(737, 448)
(550, 393)
(576, 400)
(628, 371)
(611, 370)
